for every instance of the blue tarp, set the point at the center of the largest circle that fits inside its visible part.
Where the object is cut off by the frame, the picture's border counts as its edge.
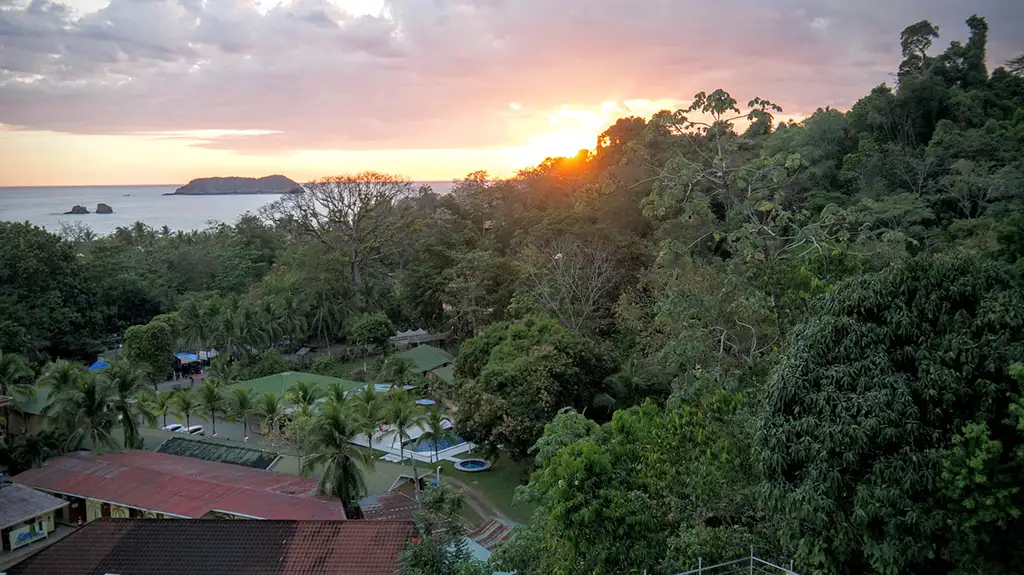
(100, 364)
(186, 357)
(425, 402)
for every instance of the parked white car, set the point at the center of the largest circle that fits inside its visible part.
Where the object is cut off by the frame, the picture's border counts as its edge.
(194, 430)
(174, 427)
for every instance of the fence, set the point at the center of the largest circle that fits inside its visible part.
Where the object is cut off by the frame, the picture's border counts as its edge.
(751, 565)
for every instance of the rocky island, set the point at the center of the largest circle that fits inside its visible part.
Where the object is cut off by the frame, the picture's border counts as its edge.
(234, 185)
(104, 209)
(77, 210)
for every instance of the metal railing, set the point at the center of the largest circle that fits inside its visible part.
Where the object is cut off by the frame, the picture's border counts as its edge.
(750, 565)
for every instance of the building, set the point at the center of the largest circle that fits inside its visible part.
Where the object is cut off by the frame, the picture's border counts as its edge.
(224, 547)
(158, 485)
(26, 516)
(430, 361)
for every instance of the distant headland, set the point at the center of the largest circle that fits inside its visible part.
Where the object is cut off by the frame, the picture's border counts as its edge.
(235, 185)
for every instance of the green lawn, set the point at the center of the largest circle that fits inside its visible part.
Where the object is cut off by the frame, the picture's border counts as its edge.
(281, 382)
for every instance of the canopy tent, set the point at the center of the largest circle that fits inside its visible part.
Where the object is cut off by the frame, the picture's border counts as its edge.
(100, 364)
(425, 402)
(186, 357)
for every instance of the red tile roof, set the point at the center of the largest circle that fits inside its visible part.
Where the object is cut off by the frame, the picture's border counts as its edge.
(393, 505)
(224, 547)
(181, 486)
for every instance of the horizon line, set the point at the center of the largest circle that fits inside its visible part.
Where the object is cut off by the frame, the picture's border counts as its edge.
(6, 187)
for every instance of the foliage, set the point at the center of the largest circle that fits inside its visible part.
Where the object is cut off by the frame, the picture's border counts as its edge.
(211, 399)
(534, 367)
(83, 413)
(342, 462)
(373, 329)
(15, 383)
(861, 409)
(150, 347)
(440, 547)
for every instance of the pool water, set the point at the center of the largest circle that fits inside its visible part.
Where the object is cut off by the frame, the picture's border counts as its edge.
(427, 445)
(471, 464)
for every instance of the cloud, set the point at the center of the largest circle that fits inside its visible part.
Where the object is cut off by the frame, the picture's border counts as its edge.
(402, 74)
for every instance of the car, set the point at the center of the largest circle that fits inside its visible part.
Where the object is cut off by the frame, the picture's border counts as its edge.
(194, 430)
(174, 427)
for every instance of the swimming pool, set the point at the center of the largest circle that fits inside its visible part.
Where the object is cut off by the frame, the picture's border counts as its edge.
(427, 445)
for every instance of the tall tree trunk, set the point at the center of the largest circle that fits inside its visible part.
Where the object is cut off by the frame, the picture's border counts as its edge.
(213, 421)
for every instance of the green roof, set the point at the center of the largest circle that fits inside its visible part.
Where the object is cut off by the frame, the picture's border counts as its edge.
(216, 451)
(445, 374)
(281, 382)
(427, 357)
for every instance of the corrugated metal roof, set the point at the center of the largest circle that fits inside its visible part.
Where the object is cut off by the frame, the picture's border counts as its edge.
(281, 382)
(225, 547)
(181, 486)
(427, 357)
(19, 503)
(208, 450)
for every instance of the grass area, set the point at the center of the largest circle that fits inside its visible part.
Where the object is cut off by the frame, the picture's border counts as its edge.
(497, 484)
(282, 382)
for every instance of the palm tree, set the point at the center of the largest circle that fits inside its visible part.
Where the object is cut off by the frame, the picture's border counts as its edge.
(336, 397)
(270, 410)
(186, 404)
(193, 322)
(341, 461)
(303, 394)
(398, 370)
(15, 382)
(403, 414)
(60, 375)
(436, 433)
(622, 389)
(273, 320)
(86, 412)
(130, 384)
(248, 327)
(211, 399)
(369, 408)
(294, 313)
(241, 405)
(33, 449)
(223, 371)
(161, 403)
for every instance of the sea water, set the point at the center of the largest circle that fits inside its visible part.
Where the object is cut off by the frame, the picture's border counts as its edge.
(45, 206)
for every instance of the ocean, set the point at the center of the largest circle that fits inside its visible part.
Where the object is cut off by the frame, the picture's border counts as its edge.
(45, 206)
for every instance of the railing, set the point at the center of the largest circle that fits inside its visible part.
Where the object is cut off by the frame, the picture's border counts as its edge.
(751, 565)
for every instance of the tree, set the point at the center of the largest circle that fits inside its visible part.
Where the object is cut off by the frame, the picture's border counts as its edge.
(162, 403)
(30, 450)
(398, 370)
(369, 408)
(186, 404)
(359, 215)
(336, 397)
(61, 375)
(150, 347)
(85, 413)
(224, 372)
(129, 384)
(861, 408)
(15, 382)
(241, 406)
(270, 410)
(533, 368)
(403, 415)
(435, 433)
(373, 329)
(210, 398)
(440, 547)
(341, 461)
(303, 395)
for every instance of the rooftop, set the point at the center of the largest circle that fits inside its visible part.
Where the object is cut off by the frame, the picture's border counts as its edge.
(18, 503)
(427, 357)
(281, 382)
(212, 450)
(181, 486)
(224, 547)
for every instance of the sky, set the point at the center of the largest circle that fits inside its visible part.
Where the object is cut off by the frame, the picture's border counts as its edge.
(105, 92)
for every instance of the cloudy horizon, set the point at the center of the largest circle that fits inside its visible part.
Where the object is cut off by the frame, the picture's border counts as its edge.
(161, 91)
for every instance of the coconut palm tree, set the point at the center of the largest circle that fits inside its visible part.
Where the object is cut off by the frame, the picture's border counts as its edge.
(369, 408)
(85, 411)
(130, 385)
(15, 382)
(398, 370)
(33, 449)
(270, 410)
(622, 389)
(223, 372)
(336, 397)
(341, 461)
(241, 406)
(403, 414)
(60, 375)
(248, 327)
(211, 399)
(303, 394)
(194, 325)
(185, 405)
(436, 433)
(161, 403)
